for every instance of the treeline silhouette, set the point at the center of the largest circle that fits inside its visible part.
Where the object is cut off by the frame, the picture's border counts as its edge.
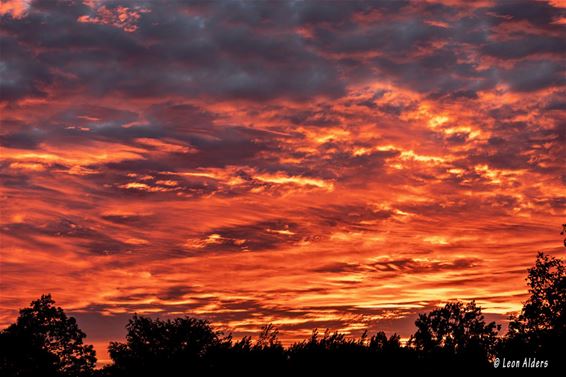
(45, 342)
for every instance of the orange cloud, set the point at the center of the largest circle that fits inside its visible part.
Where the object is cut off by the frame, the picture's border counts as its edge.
(121, 17)
(15, 8)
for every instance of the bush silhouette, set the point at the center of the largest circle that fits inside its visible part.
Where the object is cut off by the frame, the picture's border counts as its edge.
(45, 342)
(326, 352)
(248, 357)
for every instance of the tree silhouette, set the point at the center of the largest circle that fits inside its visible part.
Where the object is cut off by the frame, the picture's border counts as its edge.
(45, 342)
(170, 347)
(540, 328)
(457, 332)
(380, 342)
(545, 309)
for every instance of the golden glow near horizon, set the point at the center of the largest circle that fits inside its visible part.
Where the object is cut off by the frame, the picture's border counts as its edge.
(286, 186)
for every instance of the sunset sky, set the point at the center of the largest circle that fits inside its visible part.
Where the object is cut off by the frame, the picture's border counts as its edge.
(341, 165)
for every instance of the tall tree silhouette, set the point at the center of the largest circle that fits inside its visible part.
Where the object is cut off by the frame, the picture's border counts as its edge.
(545, 309)
(456, 332)
(540, 328)
(45, 342)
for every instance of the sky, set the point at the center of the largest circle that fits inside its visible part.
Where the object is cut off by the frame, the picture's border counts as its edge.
(342, 165)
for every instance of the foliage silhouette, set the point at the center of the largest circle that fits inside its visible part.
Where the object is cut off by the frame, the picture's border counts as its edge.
(172, 347)
(45, 342)
(456, 334)
(335, 353)
(540, 329)
(252, 358)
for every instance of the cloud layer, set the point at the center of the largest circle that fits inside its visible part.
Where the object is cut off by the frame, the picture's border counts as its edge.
(309, 164)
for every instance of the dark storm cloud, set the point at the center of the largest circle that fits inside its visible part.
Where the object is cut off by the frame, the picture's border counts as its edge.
(396, 38)
(22, 181)
(525, 45)
(175, 292)
(220, 58)
(531, 75)
(27, 139)
(415, 266)
(86, 238)
(354, 216)
(403, 264)
(538, 13)
(185, 118)
(283, 14)
(230, 145)
(21, 75)
(92, 115)
(260, 236)
(556, 105)
(321, 117)
(137, 220)
(339, 268)
(233, 50)
(439, 73)
(514, 144)
(277, 233)
(75, 124)
(455, 95)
